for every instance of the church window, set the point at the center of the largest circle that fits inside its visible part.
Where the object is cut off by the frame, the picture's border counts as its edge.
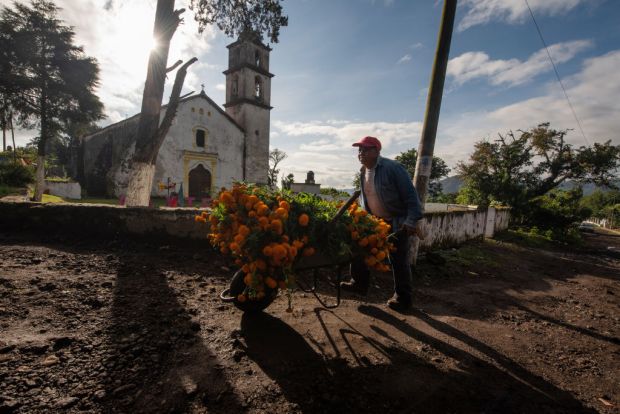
(235, 86)
(258, 89)
(200, 138)
(257, 58)
(201, 111)
(193, 109)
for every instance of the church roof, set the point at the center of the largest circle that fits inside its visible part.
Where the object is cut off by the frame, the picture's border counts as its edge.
(135, 118)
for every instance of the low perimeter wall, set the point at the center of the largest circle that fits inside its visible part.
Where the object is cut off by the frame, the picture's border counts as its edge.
(443, 229)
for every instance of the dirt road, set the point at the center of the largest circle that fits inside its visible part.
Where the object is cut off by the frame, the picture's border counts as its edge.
(126, 326)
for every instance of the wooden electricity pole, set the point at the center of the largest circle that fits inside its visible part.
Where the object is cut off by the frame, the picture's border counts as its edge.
(433, 106)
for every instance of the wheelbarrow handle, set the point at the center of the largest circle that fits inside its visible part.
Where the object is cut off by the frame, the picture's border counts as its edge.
(346, 205)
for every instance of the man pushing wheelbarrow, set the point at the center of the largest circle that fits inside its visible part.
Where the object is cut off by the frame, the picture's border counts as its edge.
(273, 235)
(387, 192)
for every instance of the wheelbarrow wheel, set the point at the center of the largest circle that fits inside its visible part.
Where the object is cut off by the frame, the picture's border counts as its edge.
(237, 286)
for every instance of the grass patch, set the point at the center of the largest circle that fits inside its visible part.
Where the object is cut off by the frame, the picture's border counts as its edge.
(538, 239)
(470, 255)
(5, 190)
(48, 198)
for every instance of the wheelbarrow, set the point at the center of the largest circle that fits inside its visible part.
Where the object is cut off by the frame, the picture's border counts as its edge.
(305, 264)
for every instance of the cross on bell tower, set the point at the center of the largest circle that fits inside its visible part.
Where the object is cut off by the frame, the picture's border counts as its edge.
(248, 98)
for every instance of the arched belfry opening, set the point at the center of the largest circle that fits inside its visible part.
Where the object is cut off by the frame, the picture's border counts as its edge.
(199, 182)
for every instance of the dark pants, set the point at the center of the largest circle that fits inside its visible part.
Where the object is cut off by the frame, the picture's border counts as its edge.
(401, 269)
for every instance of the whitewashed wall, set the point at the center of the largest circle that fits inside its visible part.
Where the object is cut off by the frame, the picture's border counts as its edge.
(445, 229)
(223, 141)
(70, 190)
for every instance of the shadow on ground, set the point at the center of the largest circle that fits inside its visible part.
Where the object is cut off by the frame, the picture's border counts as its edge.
(407, 383)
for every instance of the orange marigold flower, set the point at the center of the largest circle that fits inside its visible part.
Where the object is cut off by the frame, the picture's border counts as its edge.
(281, 212)
(308, 251)
(276, 226)
(271, 283)
(244, 230)
(303, 220)
(285, 205)
(261, 265)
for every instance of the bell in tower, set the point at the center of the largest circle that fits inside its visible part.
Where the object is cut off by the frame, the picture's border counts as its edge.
(248, 99)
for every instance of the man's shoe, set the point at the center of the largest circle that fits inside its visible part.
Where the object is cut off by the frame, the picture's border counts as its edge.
(354, 287)
(398, 304)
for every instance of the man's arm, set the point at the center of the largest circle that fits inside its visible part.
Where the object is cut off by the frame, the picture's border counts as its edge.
(409, 195)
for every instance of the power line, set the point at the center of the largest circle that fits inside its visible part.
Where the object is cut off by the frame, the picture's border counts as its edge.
(557, 75)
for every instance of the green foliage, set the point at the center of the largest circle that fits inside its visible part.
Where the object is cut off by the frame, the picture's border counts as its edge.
(604, 205)
(287, 181)
(439, 169)
(235, 18)
(443, 198)
(539, 238)
(357, 181)
(335, 193)
(516, 170)
(16, 175)
(556, 211)
(45, 79)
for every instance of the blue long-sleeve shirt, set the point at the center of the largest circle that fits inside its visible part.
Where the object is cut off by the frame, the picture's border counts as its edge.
(395, 191)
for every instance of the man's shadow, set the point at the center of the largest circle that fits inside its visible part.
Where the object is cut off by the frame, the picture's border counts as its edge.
(496, 382)
(399, 381)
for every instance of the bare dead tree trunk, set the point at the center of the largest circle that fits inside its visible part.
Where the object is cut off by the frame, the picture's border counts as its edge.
(13, 136)
(40, 173)
(143, 166)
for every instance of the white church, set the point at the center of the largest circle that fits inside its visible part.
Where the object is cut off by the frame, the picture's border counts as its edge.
(207, 147)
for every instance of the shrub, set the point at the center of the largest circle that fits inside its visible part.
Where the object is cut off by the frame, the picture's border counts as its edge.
(15, 175)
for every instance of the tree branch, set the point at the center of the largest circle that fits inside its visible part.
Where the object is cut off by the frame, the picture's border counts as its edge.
(173, 104)
(173, 67)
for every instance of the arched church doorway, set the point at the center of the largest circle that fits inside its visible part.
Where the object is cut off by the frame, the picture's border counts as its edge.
(199, 182)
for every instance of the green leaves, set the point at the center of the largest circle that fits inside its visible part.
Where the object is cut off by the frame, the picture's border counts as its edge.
(241, 17)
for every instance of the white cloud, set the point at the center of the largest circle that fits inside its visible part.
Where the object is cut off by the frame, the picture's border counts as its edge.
(593, 94)
(511, 72)
(404, 59)
(511, 11)
(119, 34)
(325, 147)
(220, 87)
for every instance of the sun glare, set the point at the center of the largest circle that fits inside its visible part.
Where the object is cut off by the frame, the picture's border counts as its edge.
(132, 36)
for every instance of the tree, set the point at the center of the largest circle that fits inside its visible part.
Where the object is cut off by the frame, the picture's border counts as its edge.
(515, 170)
(604, 205)
(287, 181)
(231, 17)
(439, 169)
(50, 81)
(275, 157)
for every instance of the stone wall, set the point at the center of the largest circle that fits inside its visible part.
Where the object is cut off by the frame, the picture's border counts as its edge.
(442, 229)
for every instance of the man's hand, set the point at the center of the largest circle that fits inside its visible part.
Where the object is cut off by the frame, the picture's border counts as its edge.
(408, 230)
(414, 231)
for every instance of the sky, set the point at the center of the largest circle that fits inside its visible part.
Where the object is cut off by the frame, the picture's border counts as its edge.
(345, 69)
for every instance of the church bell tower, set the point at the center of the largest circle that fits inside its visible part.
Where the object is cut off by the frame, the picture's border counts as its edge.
(248, 98)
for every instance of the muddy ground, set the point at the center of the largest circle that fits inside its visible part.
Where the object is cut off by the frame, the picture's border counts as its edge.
(137, 326)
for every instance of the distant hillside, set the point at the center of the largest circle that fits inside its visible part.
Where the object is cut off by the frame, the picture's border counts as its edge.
(453, 185)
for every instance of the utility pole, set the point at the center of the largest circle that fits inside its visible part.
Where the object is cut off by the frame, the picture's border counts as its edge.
(433, 106)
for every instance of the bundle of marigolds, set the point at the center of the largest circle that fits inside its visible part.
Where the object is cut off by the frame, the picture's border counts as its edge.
(267, 232)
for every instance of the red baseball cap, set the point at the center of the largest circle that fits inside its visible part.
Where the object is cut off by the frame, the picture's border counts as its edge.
(368, 142)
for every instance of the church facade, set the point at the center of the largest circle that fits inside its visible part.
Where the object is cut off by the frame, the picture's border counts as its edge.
(207, 147)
